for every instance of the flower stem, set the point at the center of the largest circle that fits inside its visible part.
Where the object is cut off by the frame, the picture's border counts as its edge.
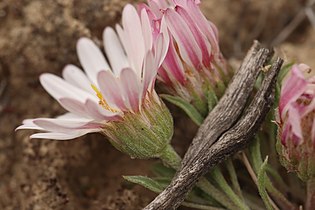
(310, 197)
(170, 157)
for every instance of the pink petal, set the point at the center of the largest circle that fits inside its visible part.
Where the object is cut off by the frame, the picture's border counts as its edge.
(149, 73)
(91, 58)
(200, 38)
(130, 86)
(285, 133)
(111, 90)
(188, 46)
(99, 113)
(163, 76)
(156, 6)
(295, 119)
(292, 88)
(204, 25)
(173, 65)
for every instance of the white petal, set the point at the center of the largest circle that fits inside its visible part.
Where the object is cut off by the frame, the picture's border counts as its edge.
(134, 41)
(59, 88)
(91, 58)
(149, 73)
(74, 106)
(114, 51)
(28, 124)
(69, 115)
(59, 136)
(146, 30)
(160, 48)
(66, 126)
(76, 77)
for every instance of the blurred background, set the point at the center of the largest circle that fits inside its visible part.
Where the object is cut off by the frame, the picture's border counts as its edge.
(39, 36)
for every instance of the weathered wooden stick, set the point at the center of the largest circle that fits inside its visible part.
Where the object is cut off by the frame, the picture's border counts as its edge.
(224, 131)
(231, 105)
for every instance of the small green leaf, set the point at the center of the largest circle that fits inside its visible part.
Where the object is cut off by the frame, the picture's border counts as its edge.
(212, 99)
(145, 182)
(261, 179)
(190, 110)
(255, 154)
(233, 176)
(284, 71)
(259, 80)
(200, 206)
(162, 171)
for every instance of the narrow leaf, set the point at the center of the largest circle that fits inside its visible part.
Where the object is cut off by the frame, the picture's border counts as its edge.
(233, 177)
(284, 71)
(262, 185)
(145, 182)
(212, 99)
(225, 187)
(189, 109)
(162, 171)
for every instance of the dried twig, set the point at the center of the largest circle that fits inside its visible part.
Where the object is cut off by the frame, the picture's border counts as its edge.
(223, 133)
(231, 105)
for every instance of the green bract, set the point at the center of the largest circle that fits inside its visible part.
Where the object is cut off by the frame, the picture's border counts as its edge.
(144, 134)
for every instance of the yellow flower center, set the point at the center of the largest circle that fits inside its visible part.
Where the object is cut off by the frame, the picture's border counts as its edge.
(102, 101)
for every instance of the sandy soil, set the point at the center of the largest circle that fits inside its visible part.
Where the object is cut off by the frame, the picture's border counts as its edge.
(39, 36)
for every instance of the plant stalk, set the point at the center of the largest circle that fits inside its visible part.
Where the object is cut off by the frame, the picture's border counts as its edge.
(310, 196)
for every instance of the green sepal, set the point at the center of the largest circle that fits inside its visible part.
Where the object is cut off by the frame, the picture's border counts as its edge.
(144, 134)
(189, 109)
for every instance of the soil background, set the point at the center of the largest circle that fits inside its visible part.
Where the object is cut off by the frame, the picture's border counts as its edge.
(38, 36)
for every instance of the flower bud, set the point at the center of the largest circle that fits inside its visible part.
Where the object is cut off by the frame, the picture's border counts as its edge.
(194, 64)
(296, 121)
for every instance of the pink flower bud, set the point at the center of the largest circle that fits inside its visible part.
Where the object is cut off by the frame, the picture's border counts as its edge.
(194, 63)
(296, 142)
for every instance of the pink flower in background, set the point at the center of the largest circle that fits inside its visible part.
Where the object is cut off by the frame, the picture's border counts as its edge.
(194, 63)
(108, 91)
(297, 122)
(297, 100)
